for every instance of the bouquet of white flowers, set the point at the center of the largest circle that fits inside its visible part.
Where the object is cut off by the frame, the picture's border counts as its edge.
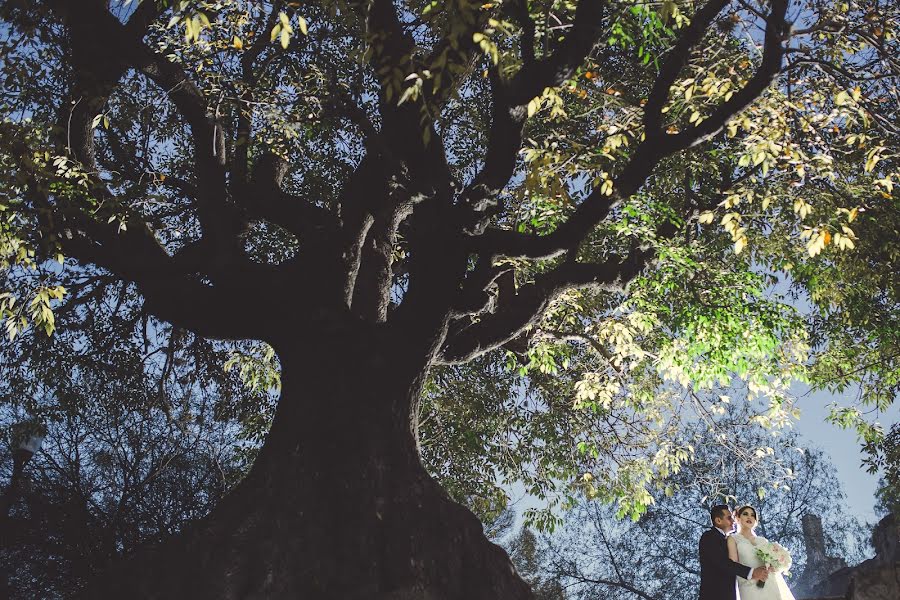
(774, 556)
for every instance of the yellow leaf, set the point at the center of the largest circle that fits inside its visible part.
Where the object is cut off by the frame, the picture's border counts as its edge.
(303, 26)
(606, 188)
(410, 93)
(816, 244)
(872, 160)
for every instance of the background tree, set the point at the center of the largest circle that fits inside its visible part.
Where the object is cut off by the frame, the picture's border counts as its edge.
(530, 558)
(886, 457)
(343, 181)
(597, 555)
(108, 482)
(138, 444)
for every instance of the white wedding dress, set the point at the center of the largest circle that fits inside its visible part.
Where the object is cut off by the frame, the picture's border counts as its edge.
(775, 588)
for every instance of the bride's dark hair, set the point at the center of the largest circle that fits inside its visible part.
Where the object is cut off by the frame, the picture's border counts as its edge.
(741, 509)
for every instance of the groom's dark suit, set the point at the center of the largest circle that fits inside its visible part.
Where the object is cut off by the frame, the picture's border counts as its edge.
(717, 571)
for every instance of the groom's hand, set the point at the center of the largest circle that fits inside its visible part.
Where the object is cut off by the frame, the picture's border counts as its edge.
(760, 573)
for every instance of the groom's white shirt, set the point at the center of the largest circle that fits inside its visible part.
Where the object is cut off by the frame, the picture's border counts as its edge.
(750, 572)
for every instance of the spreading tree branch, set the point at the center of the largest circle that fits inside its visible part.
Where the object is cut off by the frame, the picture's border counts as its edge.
(509, 106)
(552, 71)
(515, 315)
(517, 312)
(675, 61)
(135, 255)
(656, 146)
(265, 199)
(102, 49)
(777, 33)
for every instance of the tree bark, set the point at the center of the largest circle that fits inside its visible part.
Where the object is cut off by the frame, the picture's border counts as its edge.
(337, 504)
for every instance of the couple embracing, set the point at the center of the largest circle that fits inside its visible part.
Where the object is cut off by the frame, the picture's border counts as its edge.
(730, 566)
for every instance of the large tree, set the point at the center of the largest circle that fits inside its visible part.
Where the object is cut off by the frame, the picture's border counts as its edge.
(342, 181)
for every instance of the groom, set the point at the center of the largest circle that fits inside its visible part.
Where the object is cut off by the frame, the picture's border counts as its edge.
(718, 573)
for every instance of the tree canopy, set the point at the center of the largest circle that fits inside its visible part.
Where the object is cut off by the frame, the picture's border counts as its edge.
(524, 241)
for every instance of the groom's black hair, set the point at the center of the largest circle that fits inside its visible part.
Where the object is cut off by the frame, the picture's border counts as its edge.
(716, 511)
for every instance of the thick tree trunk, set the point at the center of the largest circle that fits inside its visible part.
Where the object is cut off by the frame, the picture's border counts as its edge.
(337, 505)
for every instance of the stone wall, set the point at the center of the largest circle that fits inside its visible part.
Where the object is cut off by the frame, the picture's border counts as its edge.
(819, 565)
(875, 579)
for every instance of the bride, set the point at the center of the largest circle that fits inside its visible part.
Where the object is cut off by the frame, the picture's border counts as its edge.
(742, 548)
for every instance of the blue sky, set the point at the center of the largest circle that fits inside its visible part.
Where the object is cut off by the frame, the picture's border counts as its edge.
(842, 446)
